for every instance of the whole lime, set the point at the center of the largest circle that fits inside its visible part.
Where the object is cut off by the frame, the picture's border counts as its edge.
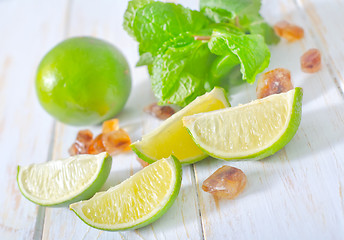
(83, 80)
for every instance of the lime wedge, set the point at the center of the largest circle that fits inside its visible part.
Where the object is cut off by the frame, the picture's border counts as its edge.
(61, 182)
(136, 202)
(171, 138)
(255, 130)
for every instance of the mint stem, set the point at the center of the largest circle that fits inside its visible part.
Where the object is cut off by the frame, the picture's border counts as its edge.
(237, 22)
(202, 38)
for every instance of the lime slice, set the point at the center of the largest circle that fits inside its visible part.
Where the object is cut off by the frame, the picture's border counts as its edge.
(254, 130)
(136, 202)
(171, 138)
(61, 182)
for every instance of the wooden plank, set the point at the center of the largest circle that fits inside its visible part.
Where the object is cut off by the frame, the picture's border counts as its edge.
(296, 193)
(323, 18)
(182, 220)
(27, 32)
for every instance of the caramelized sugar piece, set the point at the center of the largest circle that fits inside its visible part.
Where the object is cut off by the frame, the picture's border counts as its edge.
(226, 182)
(96, 145)
(82, 142)
(160, 112)
(288, 31)
(311, 61)
(273, 82)
(280, 26)
(112, 140)
(110, 125)
(143, 163)
(116, 141)
(73, 150)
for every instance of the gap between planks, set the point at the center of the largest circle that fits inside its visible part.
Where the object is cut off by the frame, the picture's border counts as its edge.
(195, 184)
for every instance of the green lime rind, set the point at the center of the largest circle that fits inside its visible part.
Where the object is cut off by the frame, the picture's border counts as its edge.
(83, 81)
(289, 133)
(151, 160)
(87, 193)
(175, 163)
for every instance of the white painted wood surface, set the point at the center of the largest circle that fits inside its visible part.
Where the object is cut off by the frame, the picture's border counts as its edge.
(295, 194)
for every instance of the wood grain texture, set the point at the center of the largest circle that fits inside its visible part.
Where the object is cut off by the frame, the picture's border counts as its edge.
(296, 193)
(27, 32)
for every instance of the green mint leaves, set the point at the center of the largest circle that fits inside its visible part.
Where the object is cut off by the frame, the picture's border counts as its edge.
(130, 13)
(157, 22)
(181, 70)
(251, 50)
(189, 52)
(237, 8)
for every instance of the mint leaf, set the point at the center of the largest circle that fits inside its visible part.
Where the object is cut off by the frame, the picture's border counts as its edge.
(251, 50)
(235, 7)
(257, 25)
(266, 31)
(217, 15)
(145, 59)
(157, 22)
(222, 65)
(181, 71)
(243, 14)
(130, 13)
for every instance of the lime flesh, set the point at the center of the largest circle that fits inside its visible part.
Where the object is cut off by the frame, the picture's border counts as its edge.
(61, 182)
(251, 131)
(136, 202)
(171, 138)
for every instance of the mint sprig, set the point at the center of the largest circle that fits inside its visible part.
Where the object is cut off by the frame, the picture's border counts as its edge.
(189, 52)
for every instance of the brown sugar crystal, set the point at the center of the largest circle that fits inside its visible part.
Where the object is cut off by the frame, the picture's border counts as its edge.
(160, 112)
(96, 145)
(288, 31)
(311, 61)
(226, 182)
(116, 141)
(110, 125)
(274, 82)
(112, 140)
(82, 142)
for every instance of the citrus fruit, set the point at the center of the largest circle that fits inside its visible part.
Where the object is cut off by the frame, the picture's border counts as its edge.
(171, 138)
(83, 80)
(61, 182)
(255, 130)
(136, 202)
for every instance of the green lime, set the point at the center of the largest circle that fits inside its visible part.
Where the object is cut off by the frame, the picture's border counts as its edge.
(61, 182)
(172, 138)
(136, 202)
(253, 131)
(83, 80)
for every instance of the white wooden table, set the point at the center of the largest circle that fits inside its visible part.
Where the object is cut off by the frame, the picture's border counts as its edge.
(295, 194)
